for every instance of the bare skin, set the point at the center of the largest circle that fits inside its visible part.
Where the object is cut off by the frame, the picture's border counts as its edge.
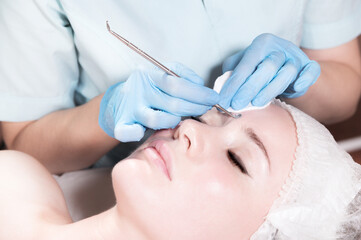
(44, 214)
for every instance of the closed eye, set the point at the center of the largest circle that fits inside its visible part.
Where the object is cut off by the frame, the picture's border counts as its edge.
(233, 158)
(236, 161)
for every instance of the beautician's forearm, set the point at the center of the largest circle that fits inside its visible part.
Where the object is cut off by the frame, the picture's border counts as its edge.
(64, 140)
(335, 95)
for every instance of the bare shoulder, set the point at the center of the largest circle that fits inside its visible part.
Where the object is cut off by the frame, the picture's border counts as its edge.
(30, 197)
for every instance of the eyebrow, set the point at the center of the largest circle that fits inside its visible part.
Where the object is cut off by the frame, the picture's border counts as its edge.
(254, 137)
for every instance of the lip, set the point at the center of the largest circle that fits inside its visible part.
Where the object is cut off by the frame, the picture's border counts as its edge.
(159, 154)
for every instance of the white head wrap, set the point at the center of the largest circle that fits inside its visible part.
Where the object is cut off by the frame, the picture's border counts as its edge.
(321, 198)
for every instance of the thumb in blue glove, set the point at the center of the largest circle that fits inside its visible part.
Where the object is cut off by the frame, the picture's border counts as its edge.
(269, 67)
(153, 99)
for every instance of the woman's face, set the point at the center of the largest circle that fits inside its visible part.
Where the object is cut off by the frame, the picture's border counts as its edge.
(213, 179)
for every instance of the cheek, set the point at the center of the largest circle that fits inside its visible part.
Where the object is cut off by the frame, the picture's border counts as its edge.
(212, 198)
(137, 187)
(238, 202)
(208, 199)
(208, 178)
(217, 201)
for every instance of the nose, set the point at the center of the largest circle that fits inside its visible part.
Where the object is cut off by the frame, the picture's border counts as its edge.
(192, 136)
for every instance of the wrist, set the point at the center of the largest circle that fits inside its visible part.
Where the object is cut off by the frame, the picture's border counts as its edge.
(97, 134)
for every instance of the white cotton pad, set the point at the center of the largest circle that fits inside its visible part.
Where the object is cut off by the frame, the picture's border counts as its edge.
(218, 84)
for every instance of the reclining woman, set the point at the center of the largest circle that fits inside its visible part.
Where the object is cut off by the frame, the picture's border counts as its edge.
(216, 178)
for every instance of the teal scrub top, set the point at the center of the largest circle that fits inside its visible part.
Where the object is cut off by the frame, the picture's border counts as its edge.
(55, 54)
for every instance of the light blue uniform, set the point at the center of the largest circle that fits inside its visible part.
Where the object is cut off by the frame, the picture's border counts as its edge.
(56, 54)
(52, 52)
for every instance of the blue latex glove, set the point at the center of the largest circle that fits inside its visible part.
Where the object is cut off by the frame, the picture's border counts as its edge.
(153, 99)
(269, 67)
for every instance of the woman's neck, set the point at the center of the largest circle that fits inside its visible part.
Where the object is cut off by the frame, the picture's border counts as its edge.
(108, 225)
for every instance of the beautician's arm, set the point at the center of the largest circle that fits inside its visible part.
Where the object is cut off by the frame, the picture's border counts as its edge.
(63, 140)
(335, 95)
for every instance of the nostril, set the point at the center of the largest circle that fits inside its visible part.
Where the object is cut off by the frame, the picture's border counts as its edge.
(188, 141)
(176, 132)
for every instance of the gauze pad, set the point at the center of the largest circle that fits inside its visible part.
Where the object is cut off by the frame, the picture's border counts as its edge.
(218, 86)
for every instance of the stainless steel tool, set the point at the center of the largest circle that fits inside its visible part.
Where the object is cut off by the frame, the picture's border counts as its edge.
(161, 66)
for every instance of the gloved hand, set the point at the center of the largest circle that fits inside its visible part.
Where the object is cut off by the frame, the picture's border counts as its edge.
(153, 99)
(269, 67)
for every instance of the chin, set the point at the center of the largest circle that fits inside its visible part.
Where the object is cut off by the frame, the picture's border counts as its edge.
(126, 172)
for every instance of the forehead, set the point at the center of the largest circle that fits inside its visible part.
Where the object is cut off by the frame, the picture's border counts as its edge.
(275, 128)
(271, 123)
(271, 119)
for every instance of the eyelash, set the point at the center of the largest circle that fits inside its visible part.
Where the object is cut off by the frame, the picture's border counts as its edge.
(234, 162)
(196, 119)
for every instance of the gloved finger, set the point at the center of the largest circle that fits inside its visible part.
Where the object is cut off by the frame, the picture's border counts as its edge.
(287, 74)
(251, 59)
(308, 77)
(184, 89)
(185, 72)
(178, 107)
(295, 52)
(264, 73)
(156, 119)
(128, 132)
(231, 62)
